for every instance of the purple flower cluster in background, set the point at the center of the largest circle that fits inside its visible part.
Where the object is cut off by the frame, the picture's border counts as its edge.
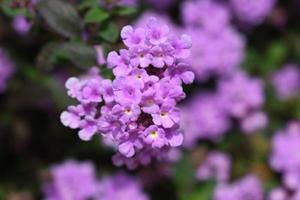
(204, 118)
(7, 69)
(252, 12)
(208, 115)
(217, 48)
(216, 54)
(138, 108)
(198, 14)
(241, 94)
(73, 180)
(285, 155)
(216, 165)
(286, 81)
(119, 187)
(249, 187)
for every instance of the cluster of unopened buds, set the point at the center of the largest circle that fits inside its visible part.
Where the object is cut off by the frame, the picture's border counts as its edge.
(137, 110)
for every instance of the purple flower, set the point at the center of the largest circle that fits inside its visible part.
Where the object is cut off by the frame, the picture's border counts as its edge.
(120, 63)
(286, 81)
(127, 91)
(133, 37)
(65, 181)
(211, 123)
(249, 187)
(155, 136)
(100, 55)
(241, 94)
(199, 14)
(215, 54)
(138, 116)
(21, 24)
(254, 122)
(167, 115)
(285, 157)
(252, 12)
(120, 187)
(157, 33)
(71, 118)
(217, 165)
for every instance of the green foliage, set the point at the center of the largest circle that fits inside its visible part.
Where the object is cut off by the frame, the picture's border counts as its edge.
(110, 32)
(96, 15)
(81, 55)
(62, 17)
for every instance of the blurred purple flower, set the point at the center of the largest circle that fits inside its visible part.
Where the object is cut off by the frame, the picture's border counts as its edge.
(217, 165)
(204, 118)
(249, 187)
(217, 54)
(254, 122)
(285, 157)
(71, 180)
(120, 187)
(198, 14)
(21, 24)
(286, 81)
(252, 12)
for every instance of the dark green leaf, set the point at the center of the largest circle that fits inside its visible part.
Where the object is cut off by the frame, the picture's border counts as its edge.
(47, 56)
(110, 33)
(61, 17)
(81, 55)
(96, 15)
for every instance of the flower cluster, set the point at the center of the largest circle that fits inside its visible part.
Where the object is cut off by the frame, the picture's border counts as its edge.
(217, 49)
(249, 187)
(281, 193)
(137, 110)
(119, 187)
(217, 165)
(211, 123)
(238, 96)
(252, 12)
(78, 181)
(6, 69)
(71, 180)
(286, 81)
(199, 14)
(285, 157)
(241, 94)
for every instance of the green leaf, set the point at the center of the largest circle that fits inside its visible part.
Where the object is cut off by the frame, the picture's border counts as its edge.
(123, 11)
(47, 56)
(81, 55)
(110, 33)
(96, 15)
(62, 17)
